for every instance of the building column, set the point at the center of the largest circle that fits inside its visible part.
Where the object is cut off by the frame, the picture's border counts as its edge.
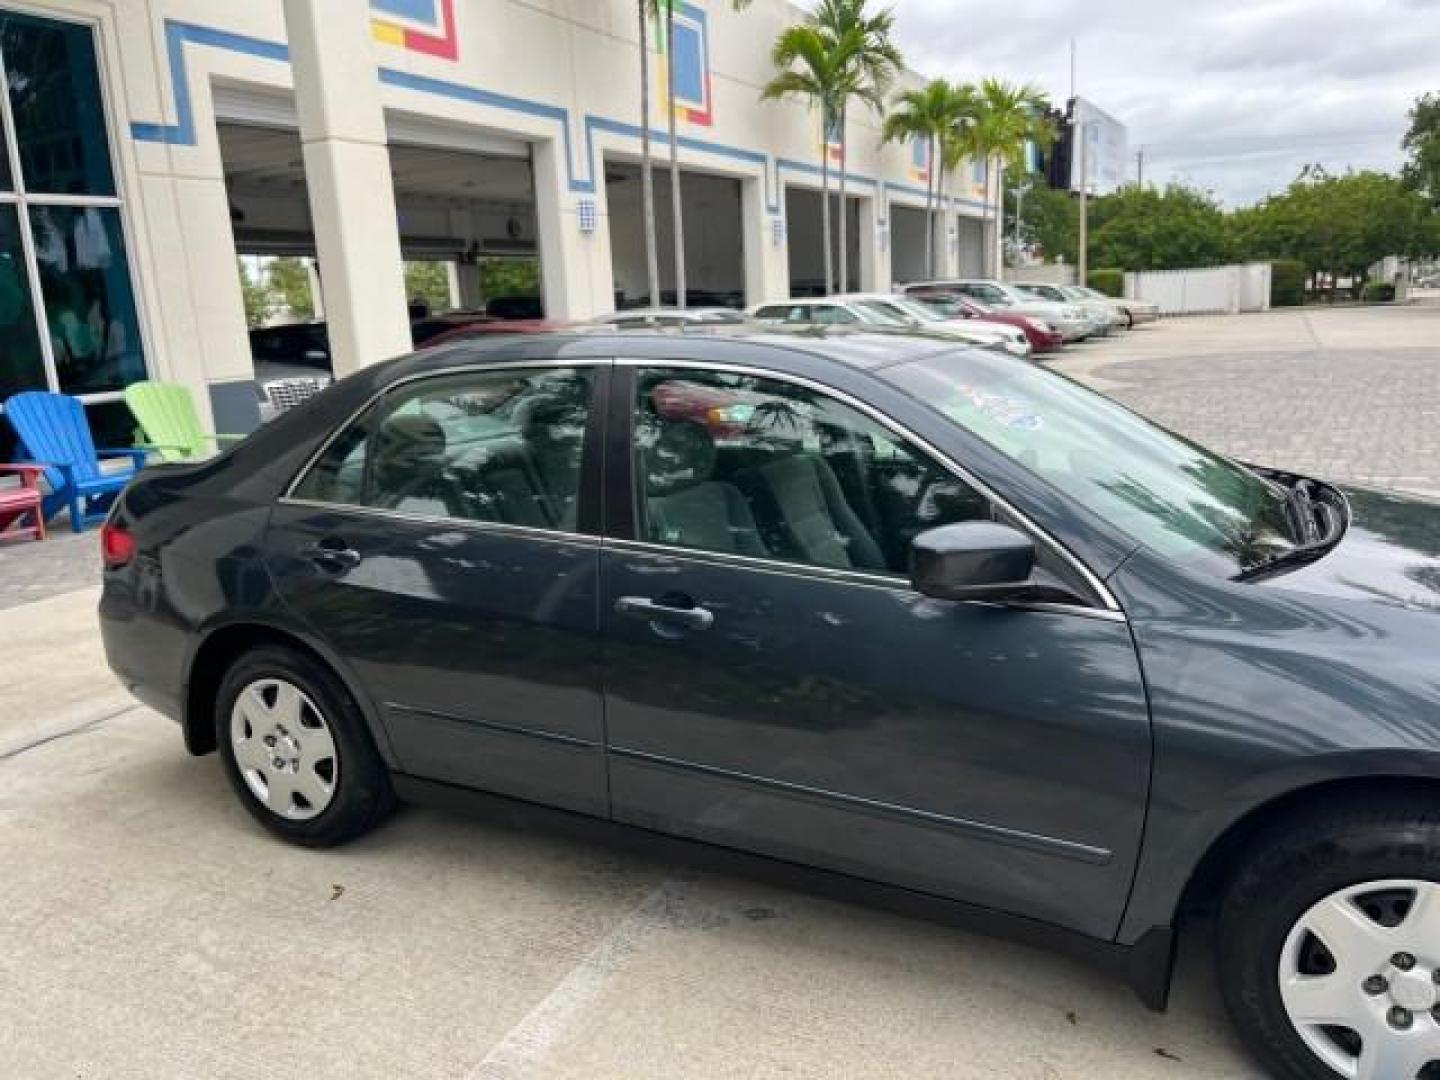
(874, 246)
(947, 262)
(347, 172)
(766, 245)
(577, 280)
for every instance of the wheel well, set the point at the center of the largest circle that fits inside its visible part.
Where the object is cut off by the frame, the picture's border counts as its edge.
(1210, 875)
(214, 658)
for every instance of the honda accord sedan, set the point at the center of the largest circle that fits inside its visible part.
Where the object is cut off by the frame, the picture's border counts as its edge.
(917, 617)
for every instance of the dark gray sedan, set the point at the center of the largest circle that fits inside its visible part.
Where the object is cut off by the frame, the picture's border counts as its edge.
(924, 620)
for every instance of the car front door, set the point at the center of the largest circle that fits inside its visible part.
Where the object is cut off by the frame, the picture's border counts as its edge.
(773, 684)
(442, 547)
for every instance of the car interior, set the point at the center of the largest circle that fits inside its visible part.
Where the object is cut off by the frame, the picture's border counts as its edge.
(804, 479)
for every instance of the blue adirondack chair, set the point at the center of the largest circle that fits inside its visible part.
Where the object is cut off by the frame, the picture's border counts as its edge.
(53, 433)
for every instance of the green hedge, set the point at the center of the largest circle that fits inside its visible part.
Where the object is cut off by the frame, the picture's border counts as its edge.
(1287, 283)
(1378, 290)
(1109, 281)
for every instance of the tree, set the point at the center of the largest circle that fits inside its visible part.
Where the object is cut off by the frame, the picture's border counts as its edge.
(428, 282)
(1422, 141)
(259, 305)
(1050, 221)
(813, 68)
(937, 114)
(289, 282)
(1149, 229)
(876, 61)
(647, 177)
(677, 211)
(1008, 118)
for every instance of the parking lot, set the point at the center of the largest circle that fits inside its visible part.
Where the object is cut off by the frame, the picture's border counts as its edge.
(149, 929)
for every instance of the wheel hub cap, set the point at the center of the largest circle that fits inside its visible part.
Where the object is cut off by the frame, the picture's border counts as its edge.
(284, 749)
(1360, 980)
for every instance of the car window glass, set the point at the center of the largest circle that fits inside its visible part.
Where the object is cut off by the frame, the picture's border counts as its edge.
(498, 446)
(744, 465)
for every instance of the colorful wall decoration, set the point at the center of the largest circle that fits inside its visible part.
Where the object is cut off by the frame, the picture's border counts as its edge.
(917, 166)
(693, 101)
(422, 26)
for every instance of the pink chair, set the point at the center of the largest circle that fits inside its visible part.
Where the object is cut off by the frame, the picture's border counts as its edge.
(19, 503)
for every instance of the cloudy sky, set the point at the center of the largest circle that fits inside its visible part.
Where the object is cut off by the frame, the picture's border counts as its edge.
(1231, 95)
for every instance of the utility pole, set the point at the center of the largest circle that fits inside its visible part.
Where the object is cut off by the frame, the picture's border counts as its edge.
(1082, 260)
(1140, 167)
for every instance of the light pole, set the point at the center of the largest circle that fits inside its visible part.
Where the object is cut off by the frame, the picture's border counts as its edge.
(1082, 261)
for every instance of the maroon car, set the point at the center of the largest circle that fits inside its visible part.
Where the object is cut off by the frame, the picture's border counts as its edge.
(484, 325)
(1042, 336)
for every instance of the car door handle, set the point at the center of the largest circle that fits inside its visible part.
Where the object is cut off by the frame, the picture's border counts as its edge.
(332, 555)
(640, 607)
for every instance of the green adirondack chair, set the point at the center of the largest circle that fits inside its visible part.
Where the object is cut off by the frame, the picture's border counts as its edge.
(168, 422)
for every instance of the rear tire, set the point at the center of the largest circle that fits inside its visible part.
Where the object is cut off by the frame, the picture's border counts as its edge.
(1329, 942)
(297, 750)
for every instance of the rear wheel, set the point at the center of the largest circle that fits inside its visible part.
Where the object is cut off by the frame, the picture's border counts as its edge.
(296, 749)
(1329, 944)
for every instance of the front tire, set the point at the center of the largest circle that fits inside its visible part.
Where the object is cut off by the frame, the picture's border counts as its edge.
(296, 749)
(1329, 943)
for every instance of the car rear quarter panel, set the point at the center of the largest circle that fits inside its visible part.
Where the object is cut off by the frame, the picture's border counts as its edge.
(1258, 693)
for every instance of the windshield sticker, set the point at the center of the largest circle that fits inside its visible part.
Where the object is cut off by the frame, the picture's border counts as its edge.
(1005, 411)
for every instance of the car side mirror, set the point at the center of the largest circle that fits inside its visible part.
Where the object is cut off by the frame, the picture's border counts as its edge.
(972, 560)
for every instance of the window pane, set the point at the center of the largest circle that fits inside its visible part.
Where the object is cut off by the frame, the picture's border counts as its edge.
(21, 364)
(494, 446)
(89, 303)
(59, 115)
(759, 467)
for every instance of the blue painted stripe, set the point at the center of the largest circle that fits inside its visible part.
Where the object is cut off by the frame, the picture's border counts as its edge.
(182, 132)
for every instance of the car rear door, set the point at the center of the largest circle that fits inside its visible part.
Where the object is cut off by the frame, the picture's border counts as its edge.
(773, 684)
(444, 547)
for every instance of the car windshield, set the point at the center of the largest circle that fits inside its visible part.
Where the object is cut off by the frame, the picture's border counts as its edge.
(881, 314)
(1175, 497)
(1073, 292)
(991, 294)
(914, 309)
(946, 306)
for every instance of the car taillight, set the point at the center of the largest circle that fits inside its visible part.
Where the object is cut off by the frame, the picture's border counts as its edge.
(117, 545)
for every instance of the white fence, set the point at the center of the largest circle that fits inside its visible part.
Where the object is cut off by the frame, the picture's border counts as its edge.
(1220, 290)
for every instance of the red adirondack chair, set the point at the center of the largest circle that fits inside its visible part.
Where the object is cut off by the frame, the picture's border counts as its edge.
(19, 503)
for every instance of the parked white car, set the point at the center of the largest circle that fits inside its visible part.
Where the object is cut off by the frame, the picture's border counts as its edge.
(894, 313)
(1135, 311)
(1104, 318)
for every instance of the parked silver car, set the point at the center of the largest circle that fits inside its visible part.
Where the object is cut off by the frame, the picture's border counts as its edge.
(893, 312)
(1104, 317)
(1069, 319)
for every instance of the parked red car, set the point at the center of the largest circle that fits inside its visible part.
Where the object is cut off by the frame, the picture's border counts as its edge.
(1042, 336)
(484, 326)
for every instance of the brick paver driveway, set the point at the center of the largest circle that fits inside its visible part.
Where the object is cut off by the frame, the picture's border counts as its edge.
(1349, 394)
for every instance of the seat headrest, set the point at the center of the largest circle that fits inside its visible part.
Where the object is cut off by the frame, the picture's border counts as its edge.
(682, 456)
(409, 443)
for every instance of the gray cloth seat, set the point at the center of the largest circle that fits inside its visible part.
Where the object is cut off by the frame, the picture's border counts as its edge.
(685, 506)
(553, 432)
(805, 515)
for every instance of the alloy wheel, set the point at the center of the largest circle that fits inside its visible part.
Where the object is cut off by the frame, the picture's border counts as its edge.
(1360, 980)
(284, 749)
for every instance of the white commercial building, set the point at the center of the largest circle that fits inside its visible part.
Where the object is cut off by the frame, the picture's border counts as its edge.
(150, 142)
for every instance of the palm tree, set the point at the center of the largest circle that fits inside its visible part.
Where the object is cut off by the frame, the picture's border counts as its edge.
(876, 62)
(1008, 118)
(677, 212)
(813, 67)
(647, 177)
(938, 114)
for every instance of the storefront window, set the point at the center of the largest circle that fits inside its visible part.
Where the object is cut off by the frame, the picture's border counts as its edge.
(89, 305)
(22, 365)
(59, 113)
(62, 244)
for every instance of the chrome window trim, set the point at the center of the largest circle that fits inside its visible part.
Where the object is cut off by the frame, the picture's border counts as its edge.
(588, 540)
(288, 495)
(865, 579)
(1097, 586)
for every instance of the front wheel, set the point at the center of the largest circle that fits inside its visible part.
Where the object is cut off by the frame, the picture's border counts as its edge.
(296, 749)
(1329, 944)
